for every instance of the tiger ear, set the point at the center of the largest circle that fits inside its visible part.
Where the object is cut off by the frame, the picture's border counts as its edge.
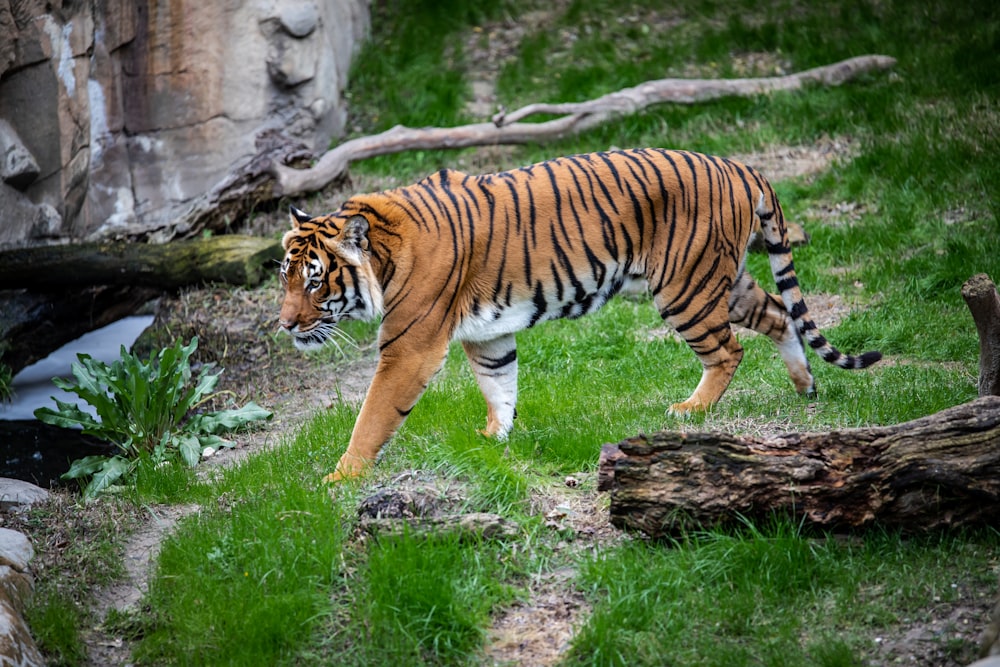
(352, 241)
(298, 217)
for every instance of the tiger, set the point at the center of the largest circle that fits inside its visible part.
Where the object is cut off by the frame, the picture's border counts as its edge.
(478, 258)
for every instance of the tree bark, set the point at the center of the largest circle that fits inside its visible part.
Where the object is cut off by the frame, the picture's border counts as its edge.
(938, 471)
(239, 260)
(79, 288)
(983, 300)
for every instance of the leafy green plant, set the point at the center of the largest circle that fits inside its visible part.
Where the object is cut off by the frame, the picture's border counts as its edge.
(6, 379)
(142, 407)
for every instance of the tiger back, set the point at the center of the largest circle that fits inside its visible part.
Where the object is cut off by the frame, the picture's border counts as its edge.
(479, 258)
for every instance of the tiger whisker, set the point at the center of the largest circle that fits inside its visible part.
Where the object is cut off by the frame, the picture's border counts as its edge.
(345, 337)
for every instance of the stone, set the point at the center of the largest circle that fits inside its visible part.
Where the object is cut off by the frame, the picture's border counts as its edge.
(17, 165)
(15, 550)
(16, 586)
(291, 61)
(131, 111)
(17, 647)
(22, 220)
(18, 494)
(299, 19)
(8, 49)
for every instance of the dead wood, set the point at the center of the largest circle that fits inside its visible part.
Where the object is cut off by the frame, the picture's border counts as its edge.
(691, 91)
(983, 300)
(78, 288)
(935, 472)
(575, 118)
(231, 259)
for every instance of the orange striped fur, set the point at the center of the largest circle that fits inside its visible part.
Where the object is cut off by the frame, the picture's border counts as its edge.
(478, 258)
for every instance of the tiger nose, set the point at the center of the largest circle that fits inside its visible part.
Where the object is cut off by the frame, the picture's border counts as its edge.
(287, 325)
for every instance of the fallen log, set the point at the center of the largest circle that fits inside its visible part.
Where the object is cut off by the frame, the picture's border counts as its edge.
(983, 300)
(79, 288)
(935, 472)
(231, 259)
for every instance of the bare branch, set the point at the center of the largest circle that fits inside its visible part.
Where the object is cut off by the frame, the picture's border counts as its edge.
(575, 118)
(692, 91)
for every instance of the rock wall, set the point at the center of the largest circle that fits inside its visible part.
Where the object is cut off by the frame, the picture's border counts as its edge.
(115, 114)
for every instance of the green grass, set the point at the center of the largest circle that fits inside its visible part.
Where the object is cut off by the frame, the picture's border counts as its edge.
(763, 596)
(89, 557)
(271, 571)
(423, 600)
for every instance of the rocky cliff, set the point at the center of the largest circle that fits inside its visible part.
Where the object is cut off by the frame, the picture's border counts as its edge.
(115, 114)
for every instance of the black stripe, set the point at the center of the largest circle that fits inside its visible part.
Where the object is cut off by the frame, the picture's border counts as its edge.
(785, 284)
(540, 305)
(819, 342)
(494, 364)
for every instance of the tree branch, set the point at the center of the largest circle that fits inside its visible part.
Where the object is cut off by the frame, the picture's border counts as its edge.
(575, 118)
(692, 91)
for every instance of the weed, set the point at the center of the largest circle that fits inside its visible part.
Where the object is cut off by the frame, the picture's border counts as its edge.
(143, 408)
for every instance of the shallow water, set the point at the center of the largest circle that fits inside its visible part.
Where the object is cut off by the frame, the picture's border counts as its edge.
(33, 386)
(38, 453)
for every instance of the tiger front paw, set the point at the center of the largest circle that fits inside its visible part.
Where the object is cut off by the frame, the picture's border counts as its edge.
(687, 409)
(348, 467)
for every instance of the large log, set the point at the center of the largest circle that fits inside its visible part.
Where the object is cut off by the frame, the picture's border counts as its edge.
(232, 259)
(78, 288)
(938, 471)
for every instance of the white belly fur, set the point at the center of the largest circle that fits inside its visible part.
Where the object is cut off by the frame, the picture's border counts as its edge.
(499, 321)
(489, 325)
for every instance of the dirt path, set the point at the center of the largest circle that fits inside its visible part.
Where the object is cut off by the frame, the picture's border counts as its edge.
(291, 406)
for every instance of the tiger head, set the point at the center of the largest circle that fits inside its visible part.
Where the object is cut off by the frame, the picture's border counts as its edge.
(327, 276)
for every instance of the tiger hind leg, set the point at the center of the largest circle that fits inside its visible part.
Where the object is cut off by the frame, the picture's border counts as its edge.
(750, 306)
(707, 331)
(494, 364)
